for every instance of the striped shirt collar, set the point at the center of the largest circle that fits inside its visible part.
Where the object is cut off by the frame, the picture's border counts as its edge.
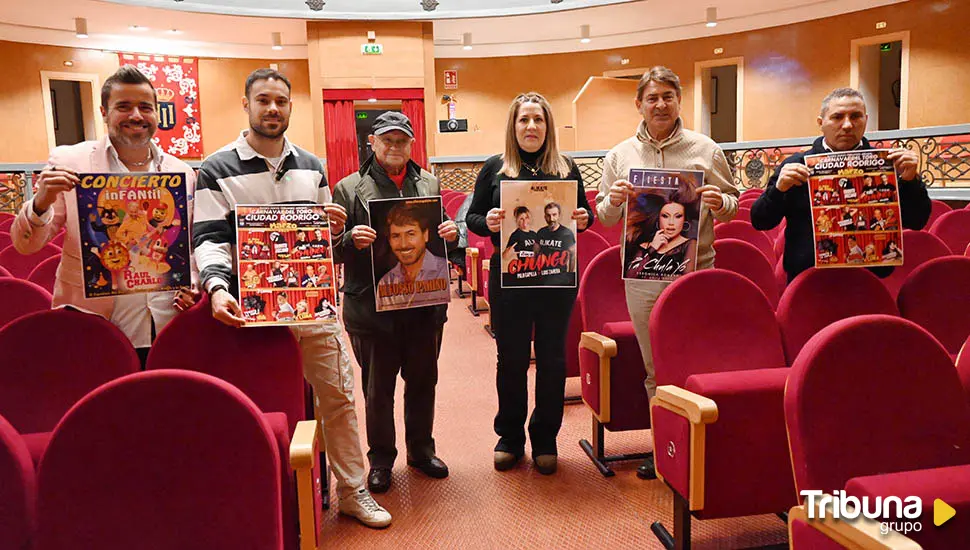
(246, 151)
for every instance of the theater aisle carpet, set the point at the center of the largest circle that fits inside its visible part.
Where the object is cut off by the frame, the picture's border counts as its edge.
(480, 508)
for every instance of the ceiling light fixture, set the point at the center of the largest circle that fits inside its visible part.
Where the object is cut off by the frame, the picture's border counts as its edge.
(466, 41)
(556, 1)
(80, 27)
(584, 34)
(712, 17)
(372, 100)
(429, 5)
(277, 41)
(137, 28)
(315, 5)
(69, 63)
(174, 31)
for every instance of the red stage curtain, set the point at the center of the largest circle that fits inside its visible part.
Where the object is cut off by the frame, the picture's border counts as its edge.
(341, 132)
(414, 110)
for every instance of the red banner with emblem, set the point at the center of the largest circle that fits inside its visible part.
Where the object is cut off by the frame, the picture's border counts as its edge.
(176, 81)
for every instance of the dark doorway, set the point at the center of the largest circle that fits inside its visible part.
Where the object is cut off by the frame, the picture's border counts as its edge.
(67, 112)
(365, 120)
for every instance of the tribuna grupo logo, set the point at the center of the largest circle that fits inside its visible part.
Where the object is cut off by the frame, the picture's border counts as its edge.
(893, 513)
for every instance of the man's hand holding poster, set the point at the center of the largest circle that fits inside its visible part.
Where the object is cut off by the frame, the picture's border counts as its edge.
(855, 209)
(408, 256)
(538, 234)
(286, 272)
(661, 224)
(134, 233)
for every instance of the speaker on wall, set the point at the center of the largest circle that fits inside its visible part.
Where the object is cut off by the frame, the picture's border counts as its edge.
(453, 125)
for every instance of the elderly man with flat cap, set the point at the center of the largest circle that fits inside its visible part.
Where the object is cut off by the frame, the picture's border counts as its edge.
(405, 341)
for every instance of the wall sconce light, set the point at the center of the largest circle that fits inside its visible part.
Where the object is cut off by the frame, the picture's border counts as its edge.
(277, 41)
(711, 17)
(466, 41)
(584, 34)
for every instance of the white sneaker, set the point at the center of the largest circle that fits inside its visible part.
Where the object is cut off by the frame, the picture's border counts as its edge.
(361, 505)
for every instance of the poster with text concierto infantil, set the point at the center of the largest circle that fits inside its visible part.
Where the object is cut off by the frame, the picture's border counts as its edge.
(134, 232)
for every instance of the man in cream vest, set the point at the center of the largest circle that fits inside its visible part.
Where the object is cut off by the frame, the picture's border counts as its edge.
(128, 105)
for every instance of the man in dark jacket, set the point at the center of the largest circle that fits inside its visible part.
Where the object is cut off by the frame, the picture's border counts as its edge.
(385, 343)
(843, 121)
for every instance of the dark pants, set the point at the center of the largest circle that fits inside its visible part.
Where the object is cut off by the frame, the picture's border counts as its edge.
(516, 313)
(412, 351)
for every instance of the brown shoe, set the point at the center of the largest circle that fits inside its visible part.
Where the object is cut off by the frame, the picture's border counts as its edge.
(505, 461)
(546, 464)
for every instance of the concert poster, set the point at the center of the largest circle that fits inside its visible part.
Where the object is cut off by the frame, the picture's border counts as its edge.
(538, 237)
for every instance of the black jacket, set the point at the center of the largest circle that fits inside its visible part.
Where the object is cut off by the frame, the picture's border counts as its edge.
(360, 312)
(795, 207)
(487, 195)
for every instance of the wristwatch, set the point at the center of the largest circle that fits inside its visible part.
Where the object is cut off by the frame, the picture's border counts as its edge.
(216, 288)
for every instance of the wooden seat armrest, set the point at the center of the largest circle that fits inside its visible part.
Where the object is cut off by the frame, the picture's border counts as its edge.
(598, 344)
(861, 533)
(696, 408)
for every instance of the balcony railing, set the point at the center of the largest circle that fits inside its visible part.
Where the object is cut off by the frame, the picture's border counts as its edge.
(944, 156)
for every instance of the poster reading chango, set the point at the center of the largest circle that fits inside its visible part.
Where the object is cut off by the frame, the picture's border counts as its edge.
(538, 235)
(134, 233)
(856, 218)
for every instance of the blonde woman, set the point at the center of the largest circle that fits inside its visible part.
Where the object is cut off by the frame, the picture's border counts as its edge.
(661, 141)
(531, 153)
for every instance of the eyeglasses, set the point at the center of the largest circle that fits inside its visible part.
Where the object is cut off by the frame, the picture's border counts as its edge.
(396, 143)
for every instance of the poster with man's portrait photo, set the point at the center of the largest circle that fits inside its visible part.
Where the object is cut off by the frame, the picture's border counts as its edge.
(285, 269)
(661, 223)
(856, 219)
(408, 256)
(538, 235)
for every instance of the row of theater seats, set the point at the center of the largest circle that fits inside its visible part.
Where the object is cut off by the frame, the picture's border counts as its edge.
(721, 354)
(97, 454)
(39, 268)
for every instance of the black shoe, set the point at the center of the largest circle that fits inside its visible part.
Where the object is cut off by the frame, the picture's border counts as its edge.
(379, 480)
(647, 469)
(431, 467)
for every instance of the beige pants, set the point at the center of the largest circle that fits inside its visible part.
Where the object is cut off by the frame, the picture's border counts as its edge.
(327, 368)
(640, 298)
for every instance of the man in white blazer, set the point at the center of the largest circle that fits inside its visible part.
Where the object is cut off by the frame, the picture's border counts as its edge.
(128, 105)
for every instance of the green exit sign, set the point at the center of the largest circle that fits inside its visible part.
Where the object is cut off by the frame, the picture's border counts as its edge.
(371, 49)
(361, 115)
(885, 47)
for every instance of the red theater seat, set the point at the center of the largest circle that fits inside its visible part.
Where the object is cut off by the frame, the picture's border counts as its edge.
(897, 424)
(610, 361)
(51, 359)
(18, 490)
(936, 296)
(19, 298)
(919, 247)
(479, 249)
(6, 223)
(589, 245)
(5, 240)
(938, 209)
(4, 272)
(243, 358)
(45, 274)
(953, 228)
(744, 231)
(160, 460)
(817, 298)
(746, 260)
(21, 266)
(721, 378)
(58, 239)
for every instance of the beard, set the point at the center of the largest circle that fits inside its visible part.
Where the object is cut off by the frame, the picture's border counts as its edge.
(256, 126)
(118, 135)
